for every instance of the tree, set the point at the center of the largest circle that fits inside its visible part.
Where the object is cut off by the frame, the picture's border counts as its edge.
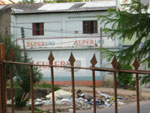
(126, 80)
(21, 73)
(132, 21)
(27, 1)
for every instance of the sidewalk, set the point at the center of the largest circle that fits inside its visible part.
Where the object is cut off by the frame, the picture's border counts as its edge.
(121, 92)
(130, 108)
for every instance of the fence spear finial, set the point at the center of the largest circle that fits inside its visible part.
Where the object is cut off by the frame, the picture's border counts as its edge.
(93, 61)
(72, 59)
(51, 58)
(136, 64)
(115, 64)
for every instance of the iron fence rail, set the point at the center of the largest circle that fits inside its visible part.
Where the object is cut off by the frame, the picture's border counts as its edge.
(115, 70)
(86, 68)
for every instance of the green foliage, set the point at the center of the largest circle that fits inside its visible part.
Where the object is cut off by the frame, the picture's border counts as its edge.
(132, 21)
(45, 85)
(23, 78)
(27, 1)
(145, 79)
(42, 85)
(19, 100)
(17, 52)
(125, 80)
(21, 73)
(36, 109)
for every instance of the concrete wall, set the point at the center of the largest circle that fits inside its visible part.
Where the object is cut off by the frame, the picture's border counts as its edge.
(62, 76)
(62, 25)
(55, 25)
(5, 21)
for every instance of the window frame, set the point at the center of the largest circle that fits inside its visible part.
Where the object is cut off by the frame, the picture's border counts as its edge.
(90, 27)
(37, 29)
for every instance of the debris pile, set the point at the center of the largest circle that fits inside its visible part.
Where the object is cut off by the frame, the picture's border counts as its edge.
(83, 101)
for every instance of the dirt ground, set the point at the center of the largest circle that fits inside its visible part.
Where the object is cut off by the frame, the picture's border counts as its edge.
(129, 96)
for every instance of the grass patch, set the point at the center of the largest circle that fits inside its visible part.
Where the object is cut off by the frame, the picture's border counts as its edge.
(37, 110)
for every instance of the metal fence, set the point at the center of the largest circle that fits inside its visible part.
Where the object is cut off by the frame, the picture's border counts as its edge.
(115, 70)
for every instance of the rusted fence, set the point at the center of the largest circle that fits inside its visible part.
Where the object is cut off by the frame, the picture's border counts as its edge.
(115, 70)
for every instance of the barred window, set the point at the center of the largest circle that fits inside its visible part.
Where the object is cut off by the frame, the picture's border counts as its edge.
(38, 29)
(89, 27)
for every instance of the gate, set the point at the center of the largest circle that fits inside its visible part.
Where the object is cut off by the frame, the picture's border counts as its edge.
(115, 70)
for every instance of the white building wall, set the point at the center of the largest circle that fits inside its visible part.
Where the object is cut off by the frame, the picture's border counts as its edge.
(55, 25)
(82, 56)
(62, 25)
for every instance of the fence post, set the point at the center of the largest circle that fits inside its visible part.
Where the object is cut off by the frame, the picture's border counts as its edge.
(3, 97)
(94, 62)
(11, 54)
(51, 59)
(72, 60)
(116, 66)
(136, 66)
(31, 86)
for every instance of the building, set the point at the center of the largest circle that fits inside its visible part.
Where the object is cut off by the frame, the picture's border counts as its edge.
(62, 28)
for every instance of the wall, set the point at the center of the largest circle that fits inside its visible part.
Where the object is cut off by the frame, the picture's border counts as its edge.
(55, 25)
(63, 75)
(5, 21)
(60, 37)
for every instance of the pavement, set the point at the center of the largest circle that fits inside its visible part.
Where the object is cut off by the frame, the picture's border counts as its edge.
(130, 108)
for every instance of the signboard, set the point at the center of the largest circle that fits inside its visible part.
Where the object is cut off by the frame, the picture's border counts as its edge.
(125, 1)
(82, 57)
(32, 43)
(121, 2)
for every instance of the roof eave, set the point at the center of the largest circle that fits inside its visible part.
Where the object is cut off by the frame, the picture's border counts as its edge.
(63, 11)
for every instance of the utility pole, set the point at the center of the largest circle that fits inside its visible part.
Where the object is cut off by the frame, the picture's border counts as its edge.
(6, 31)
(24, 49)
(117, 5)
(101, 45)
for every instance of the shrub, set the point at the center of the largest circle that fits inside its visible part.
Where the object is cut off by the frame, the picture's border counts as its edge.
(126, 80)
(20, 98)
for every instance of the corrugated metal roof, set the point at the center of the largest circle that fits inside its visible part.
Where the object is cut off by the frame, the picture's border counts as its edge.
(60, 7)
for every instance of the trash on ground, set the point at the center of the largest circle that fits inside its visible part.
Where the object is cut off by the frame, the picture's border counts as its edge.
(59, 94)
(83, 101)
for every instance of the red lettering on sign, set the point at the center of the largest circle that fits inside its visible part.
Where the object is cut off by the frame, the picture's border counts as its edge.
(91, 42)
(43, 44)
(62, 63)
(35, 44)
(56, 63)
(79, 42)
(28, 44)
(84, 42)
(38, 63)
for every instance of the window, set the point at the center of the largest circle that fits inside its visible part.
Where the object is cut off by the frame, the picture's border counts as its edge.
(38, 29)
(89, 27)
